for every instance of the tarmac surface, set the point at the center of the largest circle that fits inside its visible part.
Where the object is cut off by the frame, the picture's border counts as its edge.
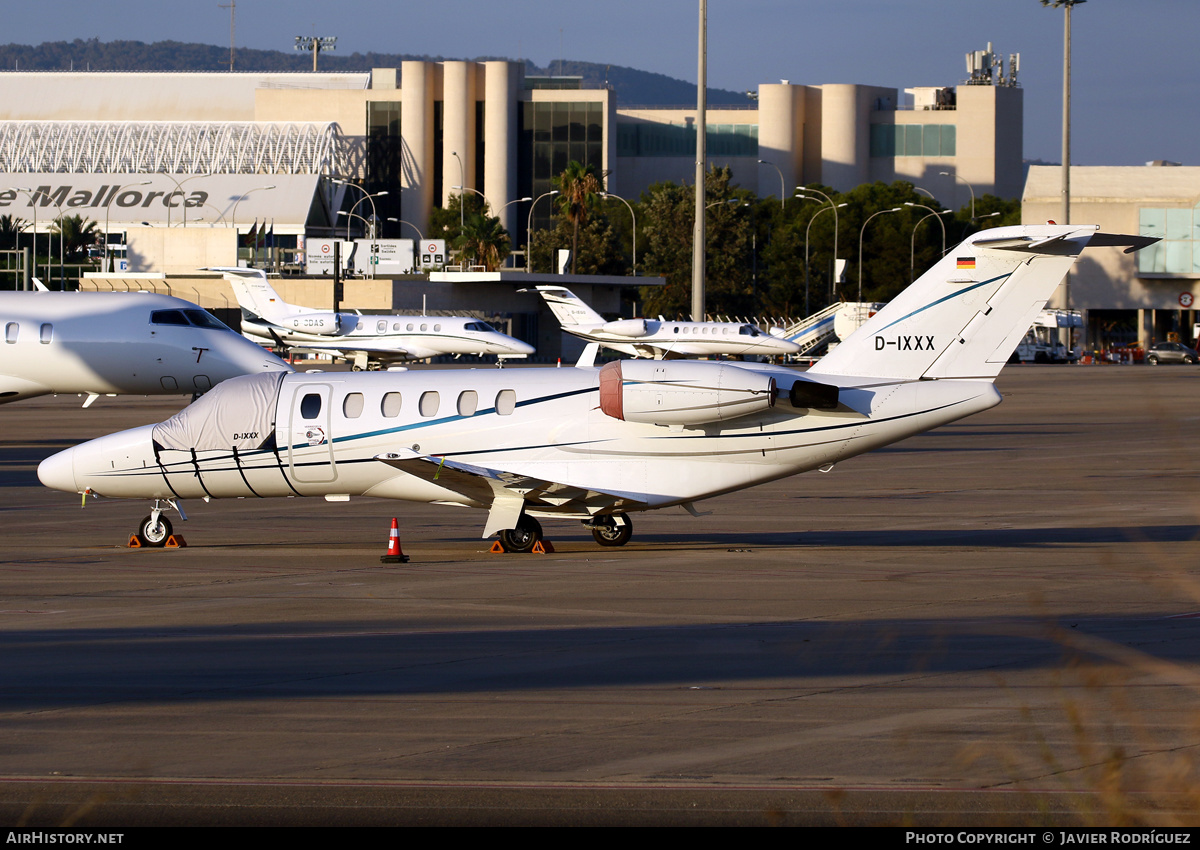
(994, 623)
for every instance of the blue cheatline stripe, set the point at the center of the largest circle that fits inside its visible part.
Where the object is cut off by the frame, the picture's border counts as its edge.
(445, 419)
(944, 298)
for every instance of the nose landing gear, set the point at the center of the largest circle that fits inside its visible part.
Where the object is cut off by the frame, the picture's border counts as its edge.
(155, 529)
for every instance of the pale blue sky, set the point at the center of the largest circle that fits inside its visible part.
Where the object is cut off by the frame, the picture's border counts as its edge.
(1135, 95)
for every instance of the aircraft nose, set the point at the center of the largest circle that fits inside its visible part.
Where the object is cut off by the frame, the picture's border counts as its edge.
(519, 347)
(58, 471)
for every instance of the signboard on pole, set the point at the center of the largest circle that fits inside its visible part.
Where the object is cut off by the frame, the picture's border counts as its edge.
(319, 256)
(383, 256)
(432, 254)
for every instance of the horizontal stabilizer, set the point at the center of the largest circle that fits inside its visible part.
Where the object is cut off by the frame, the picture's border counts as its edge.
(964, 317)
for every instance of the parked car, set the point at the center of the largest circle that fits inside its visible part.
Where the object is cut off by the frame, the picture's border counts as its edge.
(1171, 352)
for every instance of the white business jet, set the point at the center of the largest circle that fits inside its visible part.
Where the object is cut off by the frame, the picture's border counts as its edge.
(597, 444)
(658, 338)
(368, 340)
(117, 343)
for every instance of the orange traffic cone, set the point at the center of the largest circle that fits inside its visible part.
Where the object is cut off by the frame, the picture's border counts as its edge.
(394, 555)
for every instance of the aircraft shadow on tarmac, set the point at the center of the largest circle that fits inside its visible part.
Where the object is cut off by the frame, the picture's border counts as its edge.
(61, 668)
(1019, 538)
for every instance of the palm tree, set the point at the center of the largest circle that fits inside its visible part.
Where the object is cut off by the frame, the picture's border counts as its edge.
(483, 240)
(77, 234)
(578, 187)
(10, 228)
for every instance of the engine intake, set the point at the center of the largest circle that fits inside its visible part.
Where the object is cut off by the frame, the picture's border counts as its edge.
(681, 392)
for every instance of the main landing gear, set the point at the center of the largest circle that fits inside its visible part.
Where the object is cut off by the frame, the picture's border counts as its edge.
(611, 529)
(155, 529)
(522, 538)
(607, 530)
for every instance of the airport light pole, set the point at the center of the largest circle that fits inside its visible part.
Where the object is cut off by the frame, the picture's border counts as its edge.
(487, 205)
(529, 230)
(782, 191)
(632, 215)
(315, 44)
(1066, 137)
(970, 188)
(835, 208)
(179, 190)
(31, 194)
(462, 181)
(500, 215)
(861, 231)
(410, 224)
(912, 248)
(833, 277)
(107, 207)
(374, 215)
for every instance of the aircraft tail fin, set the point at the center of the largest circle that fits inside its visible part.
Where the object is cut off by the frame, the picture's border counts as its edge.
(965, 316)
(255, 294)
(568, 307)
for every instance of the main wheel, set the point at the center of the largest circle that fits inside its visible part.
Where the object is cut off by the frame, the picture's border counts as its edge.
(151, 533)
(522, 538)
(606, 532)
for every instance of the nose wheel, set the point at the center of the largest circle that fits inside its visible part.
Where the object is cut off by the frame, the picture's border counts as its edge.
(614, 530)
(154, 530)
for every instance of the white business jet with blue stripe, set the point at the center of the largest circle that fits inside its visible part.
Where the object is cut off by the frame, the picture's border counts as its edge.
(365, 340)
(658, 338)
(597, 444)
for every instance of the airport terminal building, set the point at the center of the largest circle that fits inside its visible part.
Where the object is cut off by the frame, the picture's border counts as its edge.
(235, 151)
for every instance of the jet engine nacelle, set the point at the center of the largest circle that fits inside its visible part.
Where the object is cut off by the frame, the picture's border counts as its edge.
(626, 327)
(331, 324)
(677, 392)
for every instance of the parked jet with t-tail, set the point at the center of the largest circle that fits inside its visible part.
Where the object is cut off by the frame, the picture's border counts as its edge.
(365, 340)
(117, 343)
(659, 338)
(597, 445)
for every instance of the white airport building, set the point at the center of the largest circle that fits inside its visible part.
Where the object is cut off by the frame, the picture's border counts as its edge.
(236, 151)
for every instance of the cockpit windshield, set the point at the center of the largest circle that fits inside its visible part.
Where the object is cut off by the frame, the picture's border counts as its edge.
(195, 318)
(749, 330)
(238, 413)
(482, 327)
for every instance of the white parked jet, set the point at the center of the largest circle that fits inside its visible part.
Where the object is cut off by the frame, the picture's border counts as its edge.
(658, 338)
(597, 444)
(269, 320)
(115, 343)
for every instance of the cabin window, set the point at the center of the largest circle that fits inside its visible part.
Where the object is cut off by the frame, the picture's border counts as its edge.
(410, 326)
(468, 403)
(310, 406)
(168, 317)
(677, 330)
(424, 326)
(360, 325)
(352, 405)
(437, 328)
(506, 402)
(381, 327)
(10, 332)
(429, 403)
(47, 333)
(390, 406)
(395, 326)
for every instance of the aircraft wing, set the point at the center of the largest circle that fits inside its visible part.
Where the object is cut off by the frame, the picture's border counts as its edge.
(508, 493)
